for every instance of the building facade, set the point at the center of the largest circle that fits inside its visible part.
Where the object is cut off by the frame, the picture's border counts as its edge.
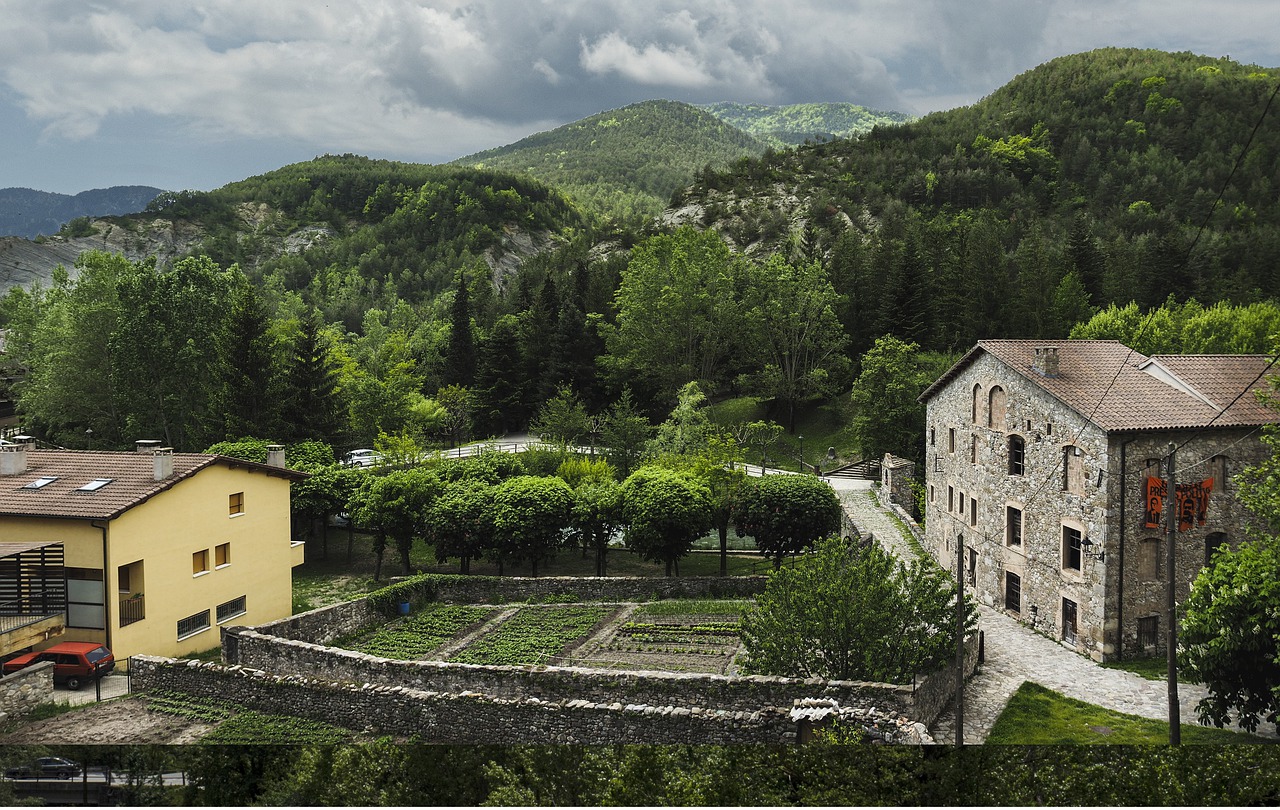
(1047, 465)
(160, 548)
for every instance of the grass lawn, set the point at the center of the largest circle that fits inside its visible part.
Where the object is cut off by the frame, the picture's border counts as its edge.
(826, 423)
(1153, 669)
(1039, 716)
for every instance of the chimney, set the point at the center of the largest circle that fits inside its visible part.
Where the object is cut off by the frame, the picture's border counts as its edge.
(162, 462)
(146, 445)
(1046, 362)
(13, 457)
(275, 455)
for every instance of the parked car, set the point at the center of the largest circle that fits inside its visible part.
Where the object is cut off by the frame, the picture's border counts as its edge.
(74, 662)
(363, 458)
(45, 767)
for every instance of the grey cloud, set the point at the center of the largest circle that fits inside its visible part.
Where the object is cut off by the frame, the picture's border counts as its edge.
(432, 79)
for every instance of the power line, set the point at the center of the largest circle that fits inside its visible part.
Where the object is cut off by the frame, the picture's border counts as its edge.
(1186, 260)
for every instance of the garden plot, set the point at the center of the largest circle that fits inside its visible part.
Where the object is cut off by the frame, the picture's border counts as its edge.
(419, 635)
(541, 635)
(673, 636)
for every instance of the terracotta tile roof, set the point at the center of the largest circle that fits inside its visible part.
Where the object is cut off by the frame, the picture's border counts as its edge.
(1120, 389)
(132, 482)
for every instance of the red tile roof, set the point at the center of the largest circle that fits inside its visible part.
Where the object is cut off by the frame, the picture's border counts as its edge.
(1119, 389)
(132, 474)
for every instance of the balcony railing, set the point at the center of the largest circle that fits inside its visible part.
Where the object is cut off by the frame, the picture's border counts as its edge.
(132, 609)
(21, 612)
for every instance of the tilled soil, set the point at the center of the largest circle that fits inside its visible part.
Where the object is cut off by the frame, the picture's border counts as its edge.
(118, 722)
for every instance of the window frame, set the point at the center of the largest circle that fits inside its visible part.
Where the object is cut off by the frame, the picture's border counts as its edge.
(1149, 630)
(232, 608)
(1072, 549)
(1017, 449)
(235, 504)
(1016, 591)
(222, 555)
(194, 629)
(200, 562)
(1012, 536)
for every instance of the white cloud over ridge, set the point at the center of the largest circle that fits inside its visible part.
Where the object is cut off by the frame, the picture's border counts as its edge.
(434, 79)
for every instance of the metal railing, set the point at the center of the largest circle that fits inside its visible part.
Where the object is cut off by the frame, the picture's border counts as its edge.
(132, 609)
(18, 613)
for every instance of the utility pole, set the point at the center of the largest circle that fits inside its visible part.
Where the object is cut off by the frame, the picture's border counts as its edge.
(960, 638)
(1171, 609)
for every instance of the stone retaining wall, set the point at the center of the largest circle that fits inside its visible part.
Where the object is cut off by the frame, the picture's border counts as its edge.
(250, 648)
(25, 689)
(934, 693)
(470, 718)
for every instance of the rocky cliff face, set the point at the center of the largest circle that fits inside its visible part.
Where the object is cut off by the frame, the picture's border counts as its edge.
(24, 262)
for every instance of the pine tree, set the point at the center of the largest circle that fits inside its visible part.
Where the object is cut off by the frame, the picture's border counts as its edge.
(460, 355)
(311, 401)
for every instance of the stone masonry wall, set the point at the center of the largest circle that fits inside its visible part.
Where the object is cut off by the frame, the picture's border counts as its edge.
(896, 475)
(1141, 588)
(967, 466)
(249, 648)
(472, 718)
(25, 689)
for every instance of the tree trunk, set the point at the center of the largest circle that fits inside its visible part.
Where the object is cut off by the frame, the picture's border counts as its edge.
(724, 550)
(668, 567)
(351, 538)
(599, 561)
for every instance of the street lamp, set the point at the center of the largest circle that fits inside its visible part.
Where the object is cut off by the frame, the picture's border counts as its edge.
(801, 438)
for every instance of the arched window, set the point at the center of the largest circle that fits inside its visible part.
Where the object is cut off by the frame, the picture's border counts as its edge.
(996, 404)
(1017, 455)
(1211, 545)
(1216, 468)
(977, 403)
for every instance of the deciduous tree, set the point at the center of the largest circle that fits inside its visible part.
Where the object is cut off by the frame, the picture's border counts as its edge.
(786, 513)
(665, 512)
(853, 614)
(530, 514)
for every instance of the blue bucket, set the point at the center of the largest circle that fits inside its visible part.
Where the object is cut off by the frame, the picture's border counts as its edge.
(404, 608)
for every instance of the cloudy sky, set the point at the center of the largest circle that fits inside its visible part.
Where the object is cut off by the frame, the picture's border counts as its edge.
(198, 94)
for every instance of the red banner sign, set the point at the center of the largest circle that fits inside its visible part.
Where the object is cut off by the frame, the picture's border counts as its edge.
(1193, 503)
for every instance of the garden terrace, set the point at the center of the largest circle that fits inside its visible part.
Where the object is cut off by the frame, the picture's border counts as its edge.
(581, 672)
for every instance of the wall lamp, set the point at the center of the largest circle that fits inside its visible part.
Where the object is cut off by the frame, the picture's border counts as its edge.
(1091, 550)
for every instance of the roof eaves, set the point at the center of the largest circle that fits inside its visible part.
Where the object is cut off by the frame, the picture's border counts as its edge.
(951, 373)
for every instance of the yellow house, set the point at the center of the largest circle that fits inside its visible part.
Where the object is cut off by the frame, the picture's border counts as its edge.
(160, 548)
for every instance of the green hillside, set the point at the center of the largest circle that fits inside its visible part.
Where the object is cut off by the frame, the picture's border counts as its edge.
(379, 230)
(625, 163)
(793, 124)
(1082, 182)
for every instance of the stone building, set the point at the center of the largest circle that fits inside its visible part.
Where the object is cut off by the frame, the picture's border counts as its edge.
(1050, 461)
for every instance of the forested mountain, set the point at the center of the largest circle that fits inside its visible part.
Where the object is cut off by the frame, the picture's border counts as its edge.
(792, 124)
(1082, 182)
(624, 163)
(29, 213)
(383, 299)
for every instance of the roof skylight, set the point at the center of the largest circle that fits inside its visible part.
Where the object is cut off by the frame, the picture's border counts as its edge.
(42, 481)
(95, 485)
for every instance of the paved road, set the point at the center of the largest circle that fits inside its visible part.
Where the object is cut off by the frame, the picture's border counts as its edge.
(1014, 653)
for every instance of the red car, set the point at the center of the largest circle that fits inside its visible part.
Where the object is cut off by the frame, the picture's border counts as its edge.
(74, 662)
